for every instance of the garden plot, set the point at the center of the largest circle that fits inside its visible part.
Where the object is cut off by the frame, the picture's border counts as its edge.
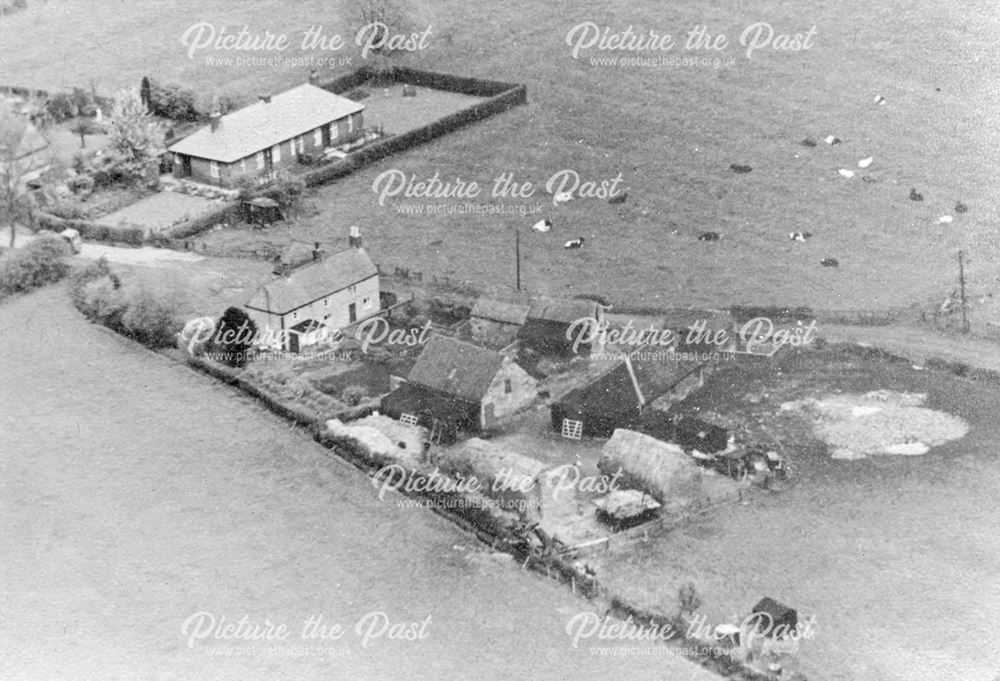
(160, 211)
(879, 422)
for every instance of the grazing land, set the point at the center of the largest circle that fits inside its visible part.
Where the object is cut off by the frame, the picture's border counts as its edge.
(671, 131)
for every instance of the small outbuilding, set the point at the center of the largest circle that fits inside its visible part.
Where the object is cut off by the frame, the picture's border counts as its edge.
(552, 326)
(774, 619)
(496, 323)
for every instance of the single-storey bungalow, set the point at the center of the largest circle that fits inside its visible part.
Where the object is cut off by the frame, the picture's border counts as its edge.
(331, 292)
(553, 326)
(623, 396)
(455, 385)
(258, 139)
(496, 323)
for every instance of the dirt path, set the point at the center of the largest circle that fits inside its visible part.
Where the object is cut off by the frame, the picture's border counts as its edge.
(919, 345)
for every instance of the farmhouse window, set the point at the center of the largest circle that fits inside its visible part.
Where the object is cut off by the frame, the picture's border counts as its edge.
(277, 153)
(507, 387)
(326, 302)
(317, 137)
(213, 169)
(260, 160)
(295, 315)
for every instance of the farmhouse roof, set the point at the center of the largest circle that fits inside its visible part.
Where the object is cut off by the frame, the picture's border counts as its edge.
(500, 311)
(456, 368)
(313, 282)
(256, 127)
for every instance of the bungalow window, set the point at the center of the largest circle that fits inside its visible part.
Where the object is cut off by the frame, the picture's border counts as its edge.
(260, 160)
(317, 137)
(301, 141)
(213, 169)
(277, 153)
(291, 148)
(350, 123)
(507, 387)
(334, 130)
(243, 165)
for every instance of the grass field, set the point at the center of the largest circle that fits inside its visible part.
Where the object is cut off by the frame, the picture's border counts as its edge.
(671, 131)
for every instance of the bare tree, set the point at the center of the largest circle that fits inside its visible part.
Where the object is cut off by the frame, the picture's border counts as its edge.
(21, 154)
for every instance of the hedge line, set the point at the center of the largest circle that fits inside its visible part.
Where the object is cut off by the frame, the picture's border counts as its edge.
(398, 143)
(93, 231)
(203, 223)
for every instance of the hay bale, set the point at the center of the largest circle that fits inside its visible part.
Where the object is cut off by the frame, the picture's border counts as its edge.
(371, 442)
(657, 468)
(508, 477)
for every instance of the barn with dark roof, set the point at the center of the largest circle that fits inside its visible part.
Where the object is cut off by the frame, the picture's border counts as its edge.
(623, 396)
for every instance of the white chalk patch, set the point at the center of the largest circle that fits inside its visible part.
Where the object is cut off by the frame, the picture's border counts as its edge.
(865, 162)
(846, 173)
(945, 220)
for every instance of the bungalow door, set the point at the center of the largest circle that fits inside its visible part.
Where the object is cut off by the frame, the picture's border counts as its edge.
(185, 165)
(326, 135)
(268, 163)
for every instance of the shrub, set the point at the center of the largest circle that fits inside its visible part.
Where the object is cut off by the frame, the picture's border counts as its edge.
(353, 394)
(34, 265)
(172, 101)
(61, 107)
(151, 315)
(688, 598)
(233, 351)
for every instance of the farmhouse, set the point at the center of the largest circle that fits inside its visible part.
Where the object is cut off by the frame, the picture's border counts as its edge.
(331, 293)
(456, 385)
(550, 327)
(623, 396)
(257, 140)
(497, 322)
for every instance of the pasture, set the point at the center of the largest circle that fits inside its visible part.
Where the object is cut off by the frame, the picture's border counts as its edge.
(671, 131)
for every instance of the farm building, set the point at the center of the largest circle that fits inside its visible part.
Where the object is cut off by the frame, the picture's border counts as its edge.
(621, 398)
(455, 385)
(697, 329)
(552, 325)
(496, 323)
(329, 293)
(657, 468)
(275, 132)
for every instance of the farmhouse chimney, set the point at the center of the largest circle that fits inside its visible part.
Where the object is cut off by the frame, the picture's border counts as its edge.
(354, 238)
(314, 77)
(266, 99)
(215, 119)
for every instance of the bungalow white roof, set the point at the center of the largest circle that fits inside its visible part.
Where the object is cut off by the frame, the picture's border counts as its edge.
(313, 282)
(256, 127)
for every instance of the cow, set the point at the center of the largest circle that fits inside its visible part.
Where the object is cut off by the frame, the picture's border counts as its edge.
(542, 225)
(709, 236)
(799, 236)
(574, 243)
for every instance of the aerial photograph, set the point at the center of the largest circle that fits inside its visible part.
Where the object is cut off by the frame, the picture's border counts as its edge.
(428, 339)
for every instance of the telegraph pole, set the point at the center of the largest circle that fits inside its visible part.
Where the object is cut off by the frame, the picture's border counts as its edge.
(961, 284)
(517, 255)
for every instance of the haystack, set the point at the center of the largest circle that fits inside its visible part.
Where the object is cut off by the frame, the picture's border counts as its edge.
(657, 468)
(510, 478)
(379, 438)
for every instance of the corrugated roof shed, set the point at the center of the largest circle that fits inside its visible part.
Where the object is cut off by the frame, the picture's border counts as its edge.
(500, 311)
(456, 368)
(313, 282)
(256, 127)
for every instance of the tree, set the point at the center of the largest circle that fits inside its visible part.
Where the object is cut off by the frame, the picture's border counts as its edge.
(381, 19)
(134, 135)
(232, 341)
(20, 155)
